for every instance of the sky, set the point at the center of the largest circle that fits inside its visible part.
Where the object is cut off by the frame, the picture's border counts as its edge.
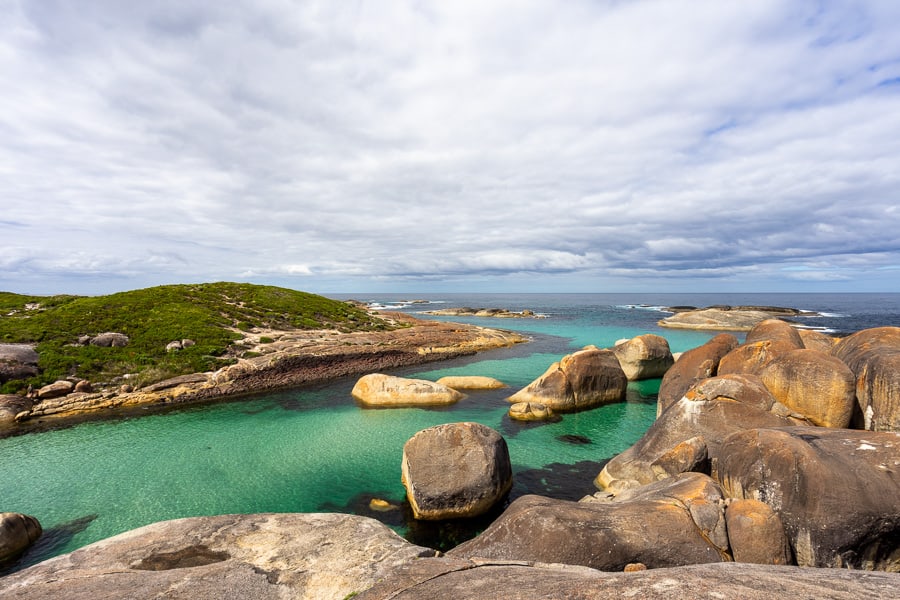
(465, 146)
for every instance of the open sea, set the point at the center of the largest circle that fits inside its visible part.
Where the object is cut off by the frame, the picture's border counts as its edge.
(313, 449)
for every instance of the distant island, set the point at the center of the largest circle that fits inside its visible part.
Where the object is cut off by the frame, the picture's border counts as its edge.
(727, 318)
(499, 313)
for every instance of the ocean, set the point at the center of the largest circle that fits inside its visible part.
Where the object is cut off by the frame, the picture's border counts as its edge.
(313, 449)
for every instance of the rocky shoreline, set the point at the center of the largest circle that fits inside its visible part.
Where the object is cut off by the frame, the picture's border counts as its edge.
(727, 318)
(282, 359)
(497, 313)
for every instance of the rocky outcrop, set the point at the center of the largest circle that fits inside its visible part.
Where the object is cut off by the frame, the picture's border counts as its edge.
(816, 385)
(582, 380)
(816, 340)
(756, 534)
(476, 579)
(836, 490)
(531, 411)
(644, 357)
(710, 411)
(751, 359)
(676, 522)
(874, 357)
(17, 533)
(17, 361)
(471, 382)
(381, 390)
(455, 470)
(691, 367)
(12, 406)
(310, 556)
(55, 390)
(110, 339)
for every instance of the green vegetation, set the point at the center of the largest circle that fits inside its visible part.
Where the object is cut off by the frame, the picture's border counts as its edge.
(210, 314)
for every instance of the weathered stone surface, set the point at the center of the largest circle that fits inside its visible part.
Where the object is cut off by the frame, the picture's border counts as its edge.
(679, 521)
(582, 380)
(55, 390)
(110, 339)
(816, 340)
(83, 387)
(818, 386)
(837, 491)
(531, 411)
(644, 357)
(874, 357)
(692, 366)
(455, 470)
(17, 361)
(712, 409)
(756, 534)
(312, 556)
(17, 533)
(774, 330)
(10, 407)
(690, 455)
(471, 382)
(474, 579)
(175, 382)
(377, 389)
(751, 359)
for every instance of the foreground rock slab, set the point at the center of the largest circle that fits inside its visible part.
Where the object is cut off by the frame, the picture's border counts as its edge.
(474, 579)
(455, 470)
(310, 556)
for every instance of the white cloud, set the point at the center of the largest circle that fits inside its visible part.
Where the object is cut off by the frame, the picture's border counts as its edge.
(646, 140)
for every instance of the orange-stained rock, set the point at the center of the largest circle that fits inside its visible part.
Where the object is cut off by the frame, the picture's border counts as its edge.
(752, 358)
(644, 357)
(816, 340)
(774, 330)
(874, 357)
(818, 386)
(692, 366)
(756, 534)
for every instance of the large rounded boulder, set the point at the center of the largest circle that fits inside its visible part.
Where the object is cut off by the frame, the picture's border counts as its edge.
(756, 533)
(17, 361)
(874, 357)
(751, 359)
(644, 357)
(774, 330)
(582, 380)
(381, 390)
(455, 470)
(11, 406)
(836, 491)
(816, 385)
(689, 434)
(692, 366)
(17, 533)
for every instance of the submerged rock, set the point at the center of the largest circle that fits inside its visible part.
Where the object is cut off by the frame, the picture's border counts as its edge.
(455, 470)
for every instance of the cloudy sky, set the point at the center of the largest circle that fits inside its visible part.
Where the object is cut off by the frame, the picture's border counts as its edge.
(488, 145)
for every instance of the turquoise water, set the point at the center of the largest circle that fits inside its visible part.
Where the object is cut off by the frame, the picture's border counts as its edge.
(314, 449)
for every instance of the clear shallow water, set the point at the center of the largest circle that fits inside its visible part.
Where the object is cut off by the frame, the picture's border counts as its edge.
(314, 449)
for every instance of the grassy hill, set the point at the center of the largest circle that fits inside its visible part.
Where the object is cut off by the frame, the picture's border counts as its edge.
(210, 314)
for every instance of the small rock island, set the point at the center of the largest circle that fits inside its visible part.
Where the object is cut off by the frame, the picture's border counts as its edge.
(727, 318)
(499, 313)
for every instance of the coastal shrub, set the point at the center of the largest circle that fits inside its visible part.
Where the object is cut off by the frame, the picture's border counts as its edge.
(211, 314)
(265, 340)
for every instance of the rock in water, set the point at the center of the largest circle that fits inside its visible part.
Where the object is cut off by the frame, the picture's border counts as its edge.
(678, 521)
(307, 556)
(376, 389)
(531, 411)
(455, 470)
(582, 380)
(836, 490)
(471, 382)
(692, 366)
(644, 357)
(17, 533)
